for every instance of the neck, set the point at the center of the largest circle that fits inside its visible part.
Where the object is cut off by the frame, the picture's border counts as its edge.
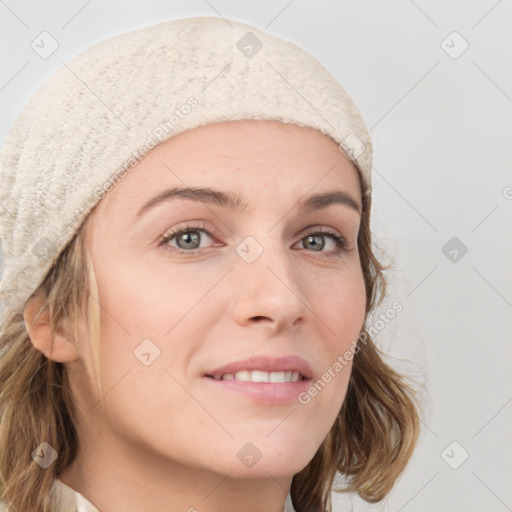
(130, 481)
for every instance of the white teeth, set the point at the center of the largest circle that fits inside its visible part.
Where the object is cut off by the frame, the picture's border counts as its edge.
(279, 376)
(260, 376)
(256, 376)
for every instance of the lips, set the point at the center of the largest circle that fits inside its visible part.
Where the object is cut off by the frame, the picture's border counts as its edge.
(265, 364)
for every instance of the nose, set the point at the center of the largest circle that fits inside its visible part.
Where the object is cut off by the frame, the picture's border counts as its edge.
(268, 292)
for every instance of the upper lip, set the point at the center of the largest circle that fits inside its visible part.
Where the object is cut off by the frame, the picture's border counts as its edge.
(266, 364)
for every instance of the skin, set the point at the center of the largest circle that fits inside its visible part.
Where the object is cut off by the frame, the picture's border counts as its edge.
(162, 439)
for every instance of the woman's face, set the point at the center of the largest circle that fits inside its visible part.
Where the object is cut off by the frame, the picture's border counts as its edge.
(195, 286)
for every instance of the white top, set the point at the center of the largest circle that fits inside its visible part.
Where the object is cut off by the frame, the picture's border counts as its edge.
(70, 500)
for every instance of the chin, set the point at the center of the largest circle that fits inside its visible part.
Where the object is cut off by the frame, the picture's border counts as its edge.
(269, 468)
(280, 455)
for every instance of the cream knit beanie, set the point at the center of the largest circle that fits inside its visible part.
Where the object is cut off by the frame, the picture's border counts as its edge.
(94, 119)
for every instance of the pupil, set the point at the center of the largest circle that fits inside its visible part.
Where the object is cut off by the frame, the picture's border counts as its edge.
(187, 238)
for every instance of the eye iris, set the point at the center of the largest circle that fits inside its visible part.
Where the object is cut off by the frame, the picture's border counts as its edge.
(187, 237)
(316, 240)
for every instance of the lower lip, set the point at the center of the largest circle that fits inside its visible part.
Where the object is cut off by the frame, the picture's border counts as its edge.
(264, 392)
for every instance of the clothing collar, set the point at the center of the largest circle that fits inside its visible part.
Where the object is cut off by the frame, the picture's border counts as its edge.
(69, 500)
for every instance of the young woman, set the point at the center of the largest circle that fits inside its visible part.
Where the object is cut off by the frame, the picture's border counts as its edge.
(188, 277)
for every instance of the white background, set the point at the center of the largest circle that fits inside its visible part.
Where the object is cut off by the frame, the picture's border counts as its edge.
(441, 124)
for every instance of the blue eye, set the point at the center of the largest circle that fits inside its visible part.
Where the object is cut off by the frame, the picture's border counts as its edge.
(188, 240)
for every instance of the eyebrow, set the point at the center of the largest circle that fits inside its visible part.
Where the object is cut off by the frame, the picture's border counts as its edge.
(234, 202)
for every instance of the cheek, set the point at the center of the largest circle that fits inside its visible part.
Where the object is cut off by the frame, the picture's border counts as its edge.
(141, 302)
(340, 309)
(340, 306)
(149, 309)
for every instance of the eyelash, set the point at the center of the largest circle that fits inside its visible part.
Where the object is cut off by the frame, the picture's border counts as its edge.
(341, 243)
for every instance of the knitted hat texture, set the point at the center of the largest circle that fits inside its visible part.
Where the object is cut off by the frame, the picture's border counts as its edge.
(102, 111)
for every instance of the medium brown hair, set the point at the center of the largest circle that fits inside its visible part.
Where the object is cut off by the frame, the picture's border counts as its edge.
(376, 430)
(370, 442)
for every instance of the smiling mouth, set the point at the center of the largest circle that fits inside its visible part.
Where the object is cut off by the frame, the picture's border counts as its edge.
(261, 376)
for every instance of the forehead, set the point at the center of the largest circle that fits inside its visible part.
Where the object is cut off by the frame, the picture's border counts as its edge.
(247, 139)
(246, 156)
